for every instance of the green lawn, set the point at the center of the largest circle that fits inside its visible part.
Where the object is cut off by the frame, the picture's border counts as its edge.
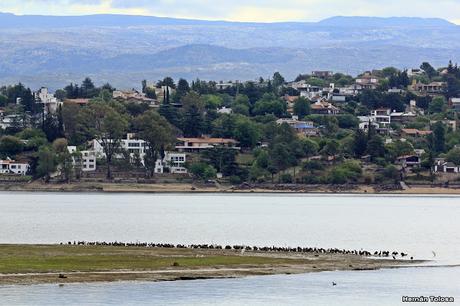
(35, 258)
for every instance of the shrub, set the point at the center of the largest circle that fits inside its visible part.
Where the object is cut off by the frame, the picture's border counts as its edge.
(286, 178)
(235, 180)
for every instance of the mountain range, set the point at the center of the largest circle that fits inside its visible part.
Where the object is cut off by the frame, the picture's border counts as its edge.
(123, 50)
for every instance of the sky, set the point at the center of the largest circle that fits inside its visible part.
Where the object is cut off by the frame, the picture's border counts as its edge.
(241, 10)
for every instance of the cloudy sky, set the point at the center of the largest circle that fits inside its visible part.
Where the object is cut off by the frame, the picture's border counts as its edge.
(241, 10)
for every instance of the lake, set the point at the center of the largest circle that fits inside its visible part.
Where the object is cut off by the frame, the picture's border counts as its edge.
(358, 288)
(426, 227)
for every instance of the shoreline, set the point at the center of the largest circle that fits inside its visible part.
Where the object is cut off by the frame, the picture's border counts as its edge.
(178, 188)
(60, 264)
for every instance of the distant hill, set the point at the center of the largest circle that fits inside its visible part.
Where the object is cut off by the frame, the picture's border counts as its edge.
(53, 50)
(343, 21)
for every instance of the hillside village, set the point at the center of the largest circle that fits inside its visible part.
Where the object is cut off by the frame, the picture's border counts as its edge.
(382, 127)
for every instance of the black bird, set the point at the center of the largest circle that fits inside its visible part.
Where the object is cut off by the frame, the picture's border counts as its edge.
(334, 284)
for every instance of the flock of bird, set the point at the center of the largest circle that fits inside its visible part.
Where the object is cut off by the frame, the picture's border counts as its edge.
(243, 248)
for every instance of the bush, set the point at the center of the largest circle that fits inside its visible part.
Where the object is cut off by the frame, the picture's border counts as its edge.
(311, 179)
(235, 180)
(337, 176)
(369, 178)
(349, 171)
(286, 178)
(202, 171)
(391, 173)
(312, 165)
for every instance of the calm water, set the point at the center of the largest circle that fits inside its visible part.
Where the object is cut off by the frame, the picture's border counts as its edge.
(382, 288)
(418, 225)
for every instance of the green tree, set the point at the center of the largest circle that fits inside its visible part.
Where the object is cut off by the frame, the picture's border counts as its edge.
(376, 147)
(168, 81)
(281, 156)
(10, 146)
(246, 132)
(439, 137)
(192, 115)
(331, 148)
(347, 121)
(60, 94)
(212, 101)
(392, 173)
(437, 105)
(359, 143)
(302, 107)
(269, 104)
(107, 126)
(454, 156)
(429, 70)
(159, 135)
(150, 93)
(51, 127)
(241, 105)
(182, 87)
(312, 166)
(223, 160)
(202, 171)
(310, 147)
(63, 158)
(46, 163)
(87, 89)
(278, 80)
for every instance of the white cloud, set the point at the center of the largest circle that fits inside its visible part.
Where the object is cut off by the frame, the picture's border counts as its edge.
(241, 10)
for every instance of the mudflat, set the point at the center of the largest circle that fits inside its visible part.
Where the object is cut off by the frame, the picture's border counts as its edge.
(35, 264)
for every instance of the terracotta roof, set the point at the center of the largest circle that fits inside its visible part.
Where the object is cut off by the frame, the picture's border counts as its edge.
(77, 101)
(208, 140)
(416, 132)
(409, 131)
(425, 132)
(9, 161)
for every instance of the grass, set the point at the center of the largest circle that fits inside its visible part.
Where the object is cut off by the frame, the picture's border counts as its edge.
(57, 258)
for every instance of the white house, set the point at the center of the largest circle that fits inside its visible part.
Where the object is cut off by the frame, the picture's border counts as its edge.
(174, 161)
(50, 103)
(441, 165)
(455, 104)
(414, 72)
(224, 85)
(224, 110)
(365, 125)
(309, 91)
(7, 121)
(382, 116)
(87, 158)
(367, 81)
(10, 166)
(131, 144)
